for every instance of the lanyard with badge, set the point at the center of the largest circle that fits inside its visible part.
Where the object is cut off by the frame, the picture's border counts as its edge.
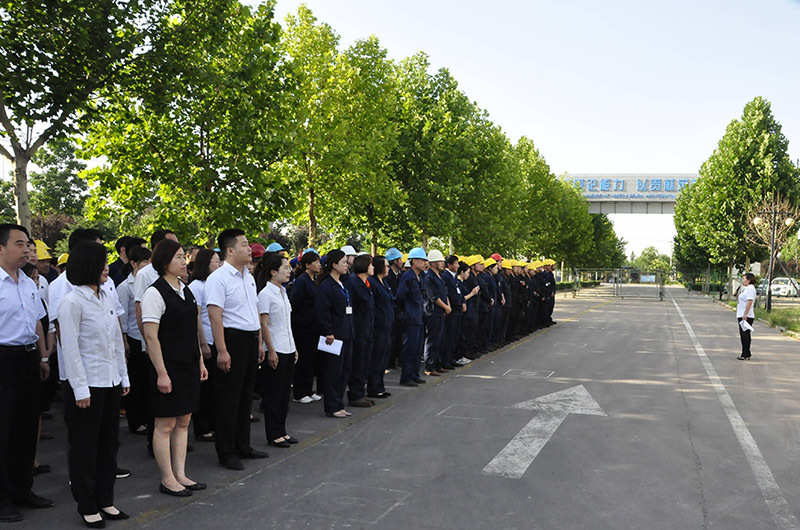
(349, 309)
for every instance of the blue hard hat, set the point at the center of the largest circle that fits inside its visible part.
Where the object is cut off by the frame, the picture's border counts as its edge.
(417, 253)
(293, 262)
(393, 254)
(313, 251)
(275, 247)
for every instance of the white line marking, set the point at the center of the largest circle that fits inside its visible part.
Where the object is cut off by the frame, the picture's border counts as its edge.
(776, 502)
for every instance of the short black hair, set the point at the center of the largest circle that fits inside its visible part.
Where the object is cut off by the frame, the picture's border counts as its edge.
(132, 243)
(462, 267)
(158, 236)
(751, 278)
(5, 231)
(450, 259)
(379, 263)
(227, 239)
(29, 269)
(163, 253)
(121, 243)
(307, 259)
(361, 263)
(202, 263)
(87, 259)
(80, 235)
(139, 254)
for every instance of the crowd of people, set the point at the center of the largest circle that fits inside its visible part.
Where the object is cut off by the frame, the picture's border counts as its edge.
(179, 336)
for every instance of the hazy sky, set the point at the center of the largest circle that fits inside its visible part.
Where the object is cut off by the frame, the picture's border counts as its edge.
(600, 87)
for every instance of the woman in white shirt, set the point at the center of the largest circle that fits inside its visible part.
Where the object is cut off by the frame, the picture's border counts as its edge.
(744, 311)
(94, 366)
(174, 336)
(137, 402)
(275, 312)
(205, 262)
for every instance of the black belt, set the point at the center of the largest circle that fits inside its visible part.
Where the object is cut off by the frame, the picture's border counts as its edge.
(22, 347)
(241, 332)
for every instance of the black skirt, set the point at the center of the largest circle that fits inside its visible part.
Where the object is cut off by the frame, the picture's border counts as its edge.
(185, 396)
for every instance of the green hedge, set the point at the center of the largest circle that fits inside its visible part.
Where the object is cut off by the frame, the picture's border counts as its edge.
(715, 287)
(567, 286)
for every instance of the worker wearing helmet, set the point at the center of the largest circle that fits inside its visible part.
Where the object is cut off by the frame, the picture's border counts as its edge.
(410, 301)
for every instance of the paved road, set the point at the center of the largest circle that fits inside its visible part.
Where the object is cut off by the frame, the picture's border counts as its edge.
(666, 454)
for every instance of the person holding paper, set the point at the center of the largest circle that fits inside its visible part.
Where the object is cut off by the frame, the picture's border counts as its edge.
(744, 312)
(334, 311)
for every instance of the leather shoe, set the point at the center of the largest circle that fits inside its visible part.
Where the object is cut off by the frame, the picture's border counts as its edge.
(433, 373)
(197, 486)
(9, 515)
(282, 443)
(291, 439)
(207, 437)
(232, 463)
(418, 380)
(185, 492)
(361, 402)
(408, 383)
(31, 500)
(119, 516)
(381, 395)
(253, 454)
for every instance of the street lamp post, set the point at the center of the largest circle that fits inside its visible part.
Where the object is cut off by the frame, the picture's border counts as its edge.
(774, 212)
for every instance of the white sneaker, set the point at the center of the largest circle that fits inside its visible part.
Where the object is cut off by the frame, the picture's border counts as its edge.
(315, 397)
(305, 400)
(463, 361)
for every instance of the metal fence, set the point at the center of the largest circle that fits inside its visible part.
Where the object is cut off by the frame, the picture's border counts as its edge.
(620, 283)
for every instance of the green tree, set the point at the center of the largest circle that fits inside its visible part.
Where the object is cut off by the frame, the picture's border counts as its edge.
(191, 138)
(651, 260)
(57, 55)
(57, 188)
(608, 250)
(7, 213)
(750, 162)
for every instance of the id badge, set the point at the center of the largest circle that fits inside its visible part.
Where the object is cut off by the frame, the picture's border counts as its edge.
(348, 310)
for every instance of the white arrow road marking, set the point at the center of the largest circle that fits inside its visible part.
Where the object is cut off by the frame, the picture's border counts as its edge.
(518, 455)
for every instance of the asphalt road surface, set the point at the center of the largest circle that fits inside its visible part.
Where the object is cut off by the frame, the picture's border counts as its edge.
(629, 413)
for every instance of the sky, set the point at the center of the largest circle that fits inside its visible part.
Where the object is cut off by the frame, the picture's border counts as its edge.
(600, 87)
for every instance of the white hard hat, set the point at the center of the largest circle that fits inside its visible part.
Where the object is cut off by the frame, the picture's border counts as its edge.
(349, 250)
(435, 255)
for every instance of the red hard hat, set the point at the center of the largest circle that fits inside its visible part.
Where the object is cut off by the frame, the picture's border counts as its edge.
(496, 257)
(258, 250)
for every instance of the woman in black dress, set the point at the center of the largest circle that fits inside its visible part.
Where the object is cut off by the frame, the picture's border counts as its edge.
(174, 338)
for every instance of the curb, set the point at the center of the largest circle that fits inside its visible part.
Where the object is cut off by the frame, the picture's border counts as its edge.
(787, 332)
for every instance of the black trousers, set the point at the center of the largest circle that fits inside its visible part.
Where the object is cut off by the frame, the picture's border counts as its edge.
(745, 337)
(93, 435)
(413, 348)
(381, 349)
(452, 330)
(337, 372)
(359, 368)
(19, 421)
(233, 393)
(138, 411)
(309, 363)
(482, 337)
(203, 419)
(277, 386)
(469, 328)
(436, 335)
(397, 343)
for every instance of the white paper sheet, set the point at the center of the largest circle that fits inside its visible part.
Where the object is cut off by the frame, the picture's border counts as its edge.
(335, 348)
(745, 325)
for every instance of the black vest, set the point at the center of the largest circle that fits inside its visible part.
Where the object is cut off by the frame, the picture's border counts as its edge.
(177, 331)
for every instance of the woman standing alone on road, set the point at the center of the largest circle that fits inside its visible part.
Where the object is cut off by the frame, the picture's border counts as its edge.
(744, 311)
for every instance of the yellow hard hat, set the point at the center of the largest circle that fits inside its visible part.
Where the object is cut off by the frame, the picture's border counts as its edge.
(531, 266)
(405, 257)
(42, 249)
(548, 261)
(478, 257)
(62, 259)
(537, 264)
(489, 262)
(506, 264)
(470, 260)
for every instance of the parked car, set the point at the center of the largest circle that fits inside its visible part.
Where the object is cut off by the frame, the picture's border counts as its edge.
(761, 288)
(784, 287)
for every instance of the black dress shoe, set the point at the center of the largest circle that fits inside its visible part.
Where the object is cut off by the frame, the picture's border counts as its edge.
(381, 395)
(93, 524)
(253, 454)
(207, 437)
(119, 516)
(418, 380)
(744, 358)
(232, 463)
(31, 500)
(197, 486)
(185, 492)
(291, 439)
(408, 383)
(361, 402)
(282, 443)
(123, 473)
(41, 469)
(8, 514)
(254, 419)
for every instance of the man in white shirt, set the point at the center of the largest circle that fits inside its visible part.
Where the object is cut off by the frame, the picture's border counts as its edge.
(23, 362)
(232, 304)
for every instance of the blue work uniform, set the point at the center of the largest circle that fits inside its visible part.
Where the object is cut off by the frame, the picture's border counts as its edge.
(334, 312)
(364, 318)
(410, 302)
(382, 343)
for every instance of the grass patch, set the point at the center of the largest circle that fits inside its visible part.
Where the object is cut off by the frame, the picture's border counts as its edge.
(785, 317)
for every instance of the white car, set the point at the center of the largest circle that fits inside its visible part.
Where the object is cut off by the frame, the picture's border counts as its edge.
(785, 287)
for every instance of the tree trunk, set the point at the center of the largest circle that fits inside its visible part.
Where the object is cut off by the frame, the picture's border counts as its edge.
(452, 247)
(21, 160)
(312, 220)
(424, 241)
